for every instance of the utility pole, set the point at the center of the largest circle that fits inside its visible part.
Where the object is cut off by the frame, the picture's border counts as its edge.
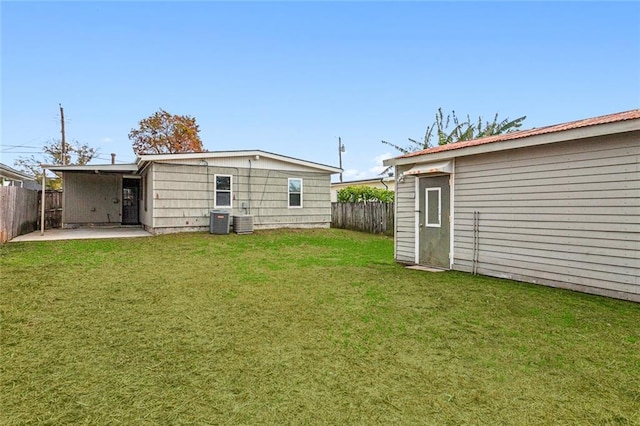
(340, 151)
(64, 143)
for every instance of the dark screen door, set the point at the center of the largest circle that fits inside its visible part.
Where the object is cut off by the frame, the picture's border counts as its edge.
(130, 202)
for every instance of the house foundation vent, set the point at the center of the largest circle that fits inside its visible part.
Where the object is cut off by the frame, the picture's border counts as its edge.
(243, 224)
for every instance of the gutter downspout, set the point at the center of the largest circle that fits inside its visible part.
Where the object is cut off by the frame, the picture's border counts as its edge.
(385, 185)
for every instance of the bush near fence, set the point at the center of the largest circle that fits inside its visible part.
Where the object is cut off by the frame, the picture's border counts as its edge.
(371, 217)
(18, 212)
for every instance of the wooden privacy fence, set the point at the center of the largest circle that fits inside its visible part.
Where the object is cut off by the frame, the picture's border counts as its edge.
(18, 212)
(371, 217)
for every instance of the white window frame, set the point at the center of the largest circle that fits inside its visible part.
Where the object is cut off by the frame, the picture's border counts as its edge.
(289, 192)
(426, 208)
(215, 191)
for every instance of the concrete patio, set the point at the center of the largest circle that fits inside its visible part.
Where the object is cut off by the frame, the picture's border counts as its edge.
(83, 234)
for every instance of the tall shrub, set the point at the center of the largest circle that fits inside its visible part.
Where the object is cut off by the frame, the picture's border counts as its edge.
(361, 193)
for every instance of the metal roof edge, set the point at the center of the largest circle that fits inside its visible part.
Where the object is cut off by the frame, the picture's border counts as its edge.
(603, 129)
(127, 167)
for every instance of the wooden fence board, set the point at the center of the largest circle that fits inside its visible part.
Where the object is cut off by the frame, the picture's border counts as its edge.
(371, 217)
(18, 212)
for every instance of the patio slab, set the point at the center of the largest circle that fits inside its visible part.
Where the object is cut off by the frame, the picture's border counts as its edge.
(83, 234)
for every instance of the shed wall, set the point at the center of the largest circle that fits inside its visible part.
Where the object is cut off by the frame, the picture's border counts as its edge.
(566, 214)
(405, 218)
(183, 196)
(91, 198)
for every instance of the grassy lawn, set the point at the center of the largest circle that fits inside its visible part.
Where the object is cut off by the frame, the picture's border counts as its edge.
(298, 327)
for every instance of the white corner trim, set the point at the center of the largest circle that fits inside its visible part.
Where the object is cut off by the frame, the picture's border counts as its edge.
(416, 192)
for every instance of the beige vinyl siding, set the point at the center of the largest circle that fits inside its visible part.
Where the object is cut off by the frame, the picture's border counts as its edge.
(96, 199)
(183, 196)
(405, 222)
(566, 214)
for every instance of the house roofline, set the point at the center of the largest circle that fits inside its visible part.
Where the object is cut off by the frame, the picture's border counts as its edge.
(144, 160)
(148, 158)
(96, 168)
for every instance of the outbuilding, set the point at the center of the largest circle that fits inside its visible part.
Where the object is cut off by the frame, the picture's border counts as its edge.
(558, 206)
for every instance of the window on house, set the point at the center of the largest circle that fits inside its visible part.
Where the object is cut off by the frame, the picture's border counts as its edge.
(295, 192)
(433, 207)
(223, 194)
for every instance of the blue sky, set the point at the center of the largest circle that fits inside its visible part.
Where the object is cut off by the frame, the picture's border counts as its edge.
(292, 77)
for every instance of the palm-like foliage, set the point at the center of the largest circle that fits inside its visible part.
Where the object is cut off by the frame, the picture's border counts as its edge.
(450, 129)
(498, 127)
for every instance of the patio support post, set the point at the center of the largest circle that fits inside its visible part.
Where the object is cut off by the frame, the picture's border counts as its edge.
(44, 186)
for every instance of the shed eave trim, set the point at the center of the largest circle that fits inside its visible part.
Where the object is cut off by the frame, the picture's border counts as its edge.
(542, 139)
(426, 168)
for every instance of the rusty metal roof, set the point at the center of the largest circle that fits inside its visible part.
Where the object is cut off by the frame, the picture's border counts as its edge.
(604, 119)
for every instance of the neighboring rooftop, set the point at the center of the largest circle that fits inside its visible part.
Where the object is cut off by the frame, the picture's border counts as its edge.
(369, 180)
(13, 174)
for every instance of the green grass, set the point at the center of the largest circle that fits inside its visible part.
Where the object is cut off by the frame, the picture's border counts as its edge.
(298, 327)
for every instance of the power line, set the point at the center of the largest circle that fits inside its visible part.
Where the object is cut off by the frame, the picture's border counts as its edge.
(21, 152)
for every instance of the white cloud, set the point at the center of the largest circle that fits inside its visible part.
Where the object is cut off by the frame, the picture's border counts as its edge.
(376, 170)
(379, 167)
(106, 140)
(378, 159)
(371, 172)
(354, 174)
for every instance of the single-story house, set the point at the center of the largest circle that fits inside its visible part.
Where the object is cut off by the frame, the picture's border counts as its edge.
(383, 182)
(12, 177)
(176, 192)
(557, 205)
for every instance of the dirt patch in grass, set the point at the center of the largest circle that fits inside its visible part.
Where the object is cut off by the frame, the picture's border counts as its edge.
(299, 327)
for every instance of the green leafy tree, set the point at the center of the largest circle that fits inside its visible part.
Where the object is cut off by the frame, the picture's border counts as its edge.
(450, 129)
(165, 133)
(362, 193)
(52, 154)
